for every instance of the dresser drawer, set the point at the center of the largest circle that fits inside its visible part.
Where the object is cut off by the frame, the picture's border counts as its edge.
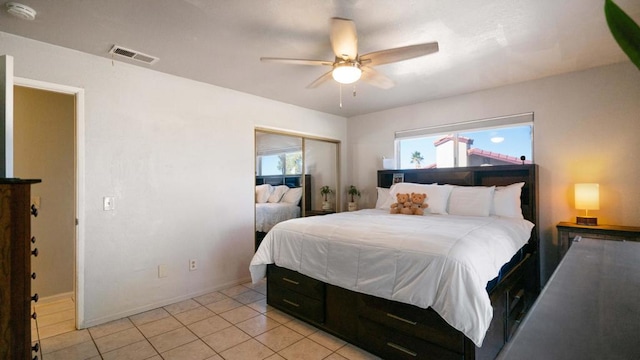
(391, 344)
(420, 323)
(294, 281)
(296, 303)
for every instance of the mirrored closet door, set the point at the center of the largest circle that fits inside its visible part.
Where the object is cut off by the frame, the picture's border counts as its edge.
(291, 171)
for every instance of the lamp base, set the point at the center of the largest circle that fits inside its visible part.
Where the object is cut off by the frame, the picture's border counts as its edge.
(587, 220)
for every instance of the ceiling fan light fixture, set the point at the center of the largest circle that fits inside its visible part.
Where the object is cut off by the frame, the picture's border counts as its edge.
(347, 73)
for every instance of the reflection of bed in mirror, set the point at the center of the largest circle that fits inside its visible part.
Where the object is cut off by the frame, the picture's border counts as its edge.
(279, 198)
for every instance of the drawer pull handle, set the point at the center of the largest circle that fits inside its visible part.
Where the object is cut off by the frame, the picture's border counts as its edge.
(291, 303)
(402, 319)
(403, 349)
(36, 347)
(519, 294)
(290, 281)
(516, 300)
(34, 252)
(34, 210)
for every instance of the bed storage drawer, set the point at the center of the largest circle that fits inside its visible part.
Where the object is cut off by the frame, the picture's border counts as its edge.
(296, 303)
(296, 294)
(424, 324)
(515, 308)
(391, 344)
(294, 281)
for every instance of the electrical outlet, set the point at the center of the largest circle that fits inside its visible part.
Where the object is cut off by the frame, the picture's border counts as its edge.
(193, 264)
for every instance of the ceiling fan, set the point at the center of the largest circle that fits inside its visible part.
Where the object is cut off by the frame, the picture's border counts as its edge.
(348, 66)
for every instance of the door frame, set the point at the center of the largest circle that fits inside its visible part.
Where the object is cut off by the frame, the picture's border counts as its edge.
(79, 160)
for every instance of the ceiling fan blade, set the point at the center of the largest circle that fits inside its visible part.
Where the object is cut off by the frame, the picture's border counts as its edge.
(297, 61)
(398, 54)
(376, 78)
(321, 80)
(344, 39)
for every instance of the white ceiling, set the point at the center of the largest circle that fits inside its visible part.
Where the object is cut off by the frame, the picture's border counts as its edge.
(483, 43)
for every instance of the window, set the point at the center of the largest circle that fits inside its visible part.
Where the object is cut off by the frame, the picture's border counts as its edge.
(497, 141)
(289, 163)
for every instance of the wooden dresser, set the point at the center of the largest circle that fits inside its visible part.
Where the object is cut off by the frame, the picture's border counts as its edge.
(15, 269)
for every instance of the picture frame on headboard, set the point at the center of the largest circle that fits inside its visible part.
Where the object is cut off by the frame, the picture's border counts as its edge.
(398, 178)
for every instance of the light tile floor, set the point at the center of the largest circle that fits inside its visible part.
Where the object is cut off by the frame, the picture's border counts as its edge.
(231, 324)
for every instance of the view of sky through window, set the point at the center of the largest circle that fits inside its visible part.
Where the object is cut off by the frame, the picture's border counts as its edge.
(513, 141)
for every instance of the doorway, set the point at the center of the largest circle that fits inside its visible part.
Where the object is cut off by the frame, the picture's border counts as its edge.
(44, 148)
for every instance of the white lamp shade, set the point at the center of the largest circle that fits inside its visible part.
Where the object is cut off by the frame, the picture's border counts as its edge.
(347, 73)
(587, 196)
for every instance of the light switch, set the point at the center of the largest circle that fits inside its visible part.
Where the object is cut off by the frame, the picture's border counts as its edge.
(108, 203)
(162, 271)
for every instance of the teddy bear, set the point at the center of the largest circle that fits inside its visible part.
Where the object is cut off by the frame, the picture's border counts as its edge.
(417, 203)
(402, 201)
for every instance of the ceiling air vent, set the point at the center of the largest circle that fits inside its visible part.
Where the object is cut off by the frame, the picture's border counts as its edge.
(132, 54)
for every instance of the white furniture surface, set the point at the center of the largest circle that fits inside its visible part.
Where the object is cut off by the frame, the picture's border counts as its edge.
(590, 308)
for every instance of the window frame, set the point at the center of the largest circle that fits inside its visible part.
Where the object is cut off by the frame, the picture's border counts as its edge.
(456, 129)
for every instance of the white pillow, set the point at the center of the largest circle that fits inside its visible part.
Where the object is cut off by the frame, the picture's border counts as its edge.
(277, 193)
(292, 196)
(471, 200)
(506, 201)
(384, 200)
(437, 195)
(262, 193)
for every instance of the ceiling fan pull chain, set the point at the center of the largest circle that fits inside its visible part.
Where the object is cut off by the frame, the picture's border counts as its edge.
(340, 96)
(354, 91)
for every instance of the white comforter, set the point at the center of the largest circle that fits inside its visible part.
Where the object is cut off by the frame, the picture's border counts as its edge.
(438, 261)
(269, 214)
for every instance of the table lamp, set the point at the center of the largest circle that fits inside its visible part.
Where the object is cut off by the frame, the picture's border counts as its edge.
(587, 198)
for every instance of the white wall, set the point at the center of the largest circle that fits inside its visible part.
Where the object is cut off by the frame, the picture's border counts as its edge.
(586, 129)
(178, 156)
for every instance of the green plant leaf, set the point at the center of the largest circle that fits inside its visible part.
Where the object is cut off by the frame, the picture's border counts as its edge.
(624, 30)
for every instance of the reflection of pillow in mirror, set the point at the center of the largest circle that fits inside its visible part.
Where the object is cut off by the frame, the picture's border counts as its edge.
(262, 193)
(292, 196)
(384, 200)
(277, 193)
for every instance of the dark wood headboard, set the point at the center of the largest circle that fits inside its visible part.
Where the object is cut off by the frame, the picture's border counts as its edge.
(477, 176)
(292, 181)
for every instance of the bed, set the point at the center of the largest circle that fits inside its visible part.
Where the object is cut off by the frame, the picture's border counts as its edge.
(269, 214)
(377, 281)
(270, 211)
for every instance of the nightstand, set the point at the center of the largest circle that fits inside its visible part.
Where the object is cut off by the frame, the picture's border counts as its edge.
(318, 212)
(568, 231)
